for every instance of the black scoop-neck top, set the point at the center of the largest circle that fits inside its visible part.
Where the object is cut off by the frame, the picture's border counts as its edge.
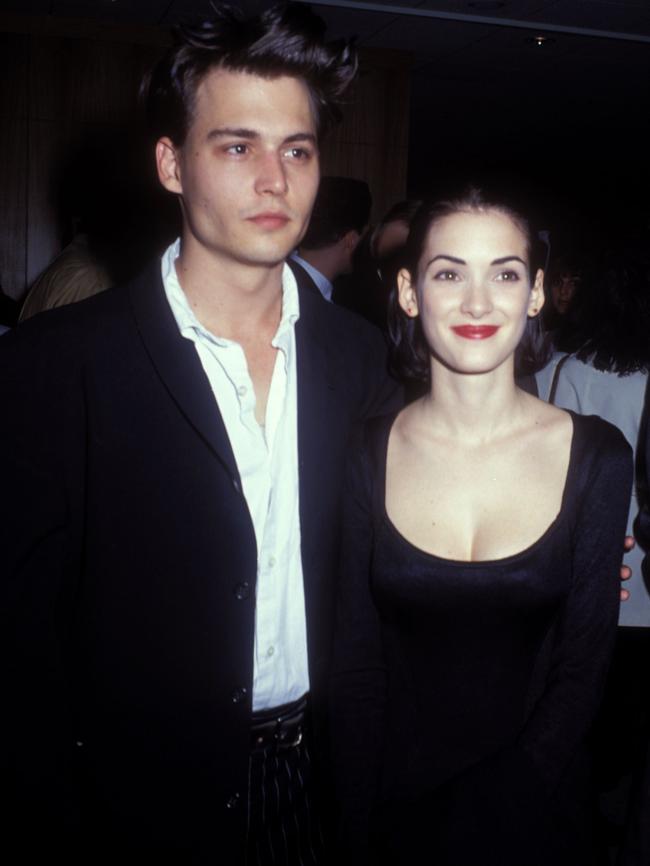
(453, 677)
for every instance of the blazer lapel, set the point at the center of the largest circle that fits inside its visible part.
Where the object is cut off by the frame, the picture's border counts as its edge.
(178, 365)
(303, 279)
(316, 397)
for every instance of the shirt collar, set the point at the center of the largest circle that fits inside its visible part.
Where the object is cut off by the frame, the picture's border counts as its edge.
(190, 327)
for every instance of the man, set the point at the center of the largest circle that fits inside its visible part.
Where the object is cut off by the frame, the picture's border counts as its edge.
(339, 218)
(175, 455)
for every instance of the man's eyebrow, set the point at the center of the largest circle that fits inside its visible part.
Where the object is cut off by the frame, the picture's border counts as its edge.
(232, 132)
(301, 136)
(251, 134)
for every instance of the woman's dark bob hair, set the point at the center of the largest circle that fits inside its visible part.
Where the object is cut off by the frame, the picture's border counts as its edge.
(286, 39)
(608, 322)
(410, 355)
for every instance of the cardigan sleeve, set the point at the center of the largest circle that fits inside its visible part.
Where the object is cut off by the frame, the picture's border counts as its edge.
(586, 629)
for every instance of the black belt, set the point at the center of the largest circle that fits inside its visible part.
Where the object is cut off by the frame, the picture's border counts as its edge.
(282, 727)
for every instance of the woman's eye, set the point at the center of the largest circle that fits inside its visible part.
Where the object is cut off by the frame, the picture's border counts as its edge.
(508, 276)
(445, 275)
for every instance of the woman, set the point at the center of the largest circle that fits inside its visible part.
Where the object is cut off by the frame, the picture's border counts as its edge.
(479, 592)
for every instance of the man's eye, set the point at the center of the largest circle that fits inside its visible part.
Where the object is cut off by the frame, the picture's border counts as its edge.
(298, 153)
(238, 149)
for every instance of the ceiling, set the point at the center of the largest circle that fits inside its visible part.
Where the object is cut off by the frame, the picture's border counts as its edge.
(572, 113)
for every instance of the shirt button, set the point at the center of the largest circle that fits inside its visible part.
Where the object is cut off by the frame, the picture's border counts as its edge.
(270, 651)
(241, 390)
(239, 695)
(242, 591)
(272, 561)
(232, 801)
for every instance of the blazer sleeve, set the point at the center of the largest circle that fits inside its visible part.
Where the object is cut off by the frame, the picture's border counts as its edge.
(37, 576)
(358, 680)
(381, 394)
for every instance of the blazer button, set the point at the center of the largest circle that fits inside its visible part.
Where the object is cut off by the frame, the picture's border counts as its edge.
(239, 695)
(233, 801)
(236, 484)
(242, 591)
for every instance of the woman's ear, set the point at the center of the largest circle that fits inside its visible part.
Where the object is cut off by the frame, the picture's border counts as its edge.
(406, 294)
(536, 301)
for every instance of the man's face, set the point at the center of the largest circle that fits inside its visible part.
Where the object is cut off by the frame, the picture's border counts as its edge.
(247, 173)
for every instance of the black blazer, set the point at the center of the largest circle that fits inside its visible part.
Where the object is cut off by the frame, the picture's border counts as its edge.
(305, 281)
(130, 569)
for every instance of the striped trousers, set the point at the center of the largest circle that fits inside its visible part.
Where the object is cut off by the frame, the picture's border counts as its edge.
(284, 823)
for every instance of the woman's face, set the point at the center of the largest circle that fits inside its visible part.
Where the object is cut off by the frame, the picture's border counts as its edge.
(562, 290)
(472, 291)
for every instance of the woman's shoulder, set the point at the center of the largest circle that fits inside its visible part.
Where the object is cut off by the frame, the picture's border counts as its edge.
(587, 431)
(600, 456)
(592, 443)
(593, 433)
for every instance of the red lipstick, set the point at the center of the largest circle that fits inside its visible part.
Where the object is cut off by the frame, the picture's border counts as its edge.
(475, 332)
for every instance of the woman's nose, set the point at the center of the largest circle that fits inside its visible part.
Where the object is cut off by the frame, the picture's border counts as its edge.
(476, 299)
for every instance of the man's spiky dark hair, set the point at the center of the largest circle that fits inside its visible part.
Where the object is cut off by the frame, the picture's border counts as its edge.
(286, 39)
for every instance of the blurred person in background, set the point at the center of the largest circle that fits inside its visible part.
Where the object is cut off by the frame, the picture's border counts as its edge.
(601, 368)
(338, 221)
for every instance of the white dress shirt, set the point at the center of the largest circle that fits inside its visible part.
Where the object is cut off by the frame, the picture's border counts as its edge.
(267, 460)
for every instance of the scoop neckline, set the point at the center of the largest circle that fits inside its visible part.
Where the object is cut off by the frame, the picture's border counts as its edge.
(482, 563)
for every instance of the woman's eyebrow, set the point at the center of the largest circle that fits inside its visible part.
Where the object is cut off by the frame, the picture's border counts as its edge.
(505, 259)
(453, 259)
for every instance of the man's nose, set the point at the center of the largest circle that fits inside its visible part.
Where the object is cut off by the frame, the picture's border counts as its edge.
(272, 175)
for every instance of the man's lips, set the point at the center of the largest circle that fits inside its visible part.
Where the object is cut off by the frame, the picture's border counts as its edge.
(475, 332)
(269, 220)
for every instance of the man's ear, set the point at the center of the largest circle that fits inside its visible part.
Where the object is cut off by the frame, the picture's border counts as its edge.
(168, 165)
(351, 240)
(536, 301)
(406, 294)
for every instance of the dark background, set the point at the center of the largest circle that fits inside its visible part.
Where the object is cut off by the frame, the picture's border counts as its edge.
(473, 92)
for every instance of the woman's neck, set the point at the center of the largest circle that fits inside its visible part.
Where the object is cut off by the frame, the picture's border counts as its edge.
(475, 408)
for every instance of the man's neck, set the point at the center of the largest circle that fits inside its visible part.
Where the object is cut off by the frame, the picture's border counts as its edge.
(233, 299)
